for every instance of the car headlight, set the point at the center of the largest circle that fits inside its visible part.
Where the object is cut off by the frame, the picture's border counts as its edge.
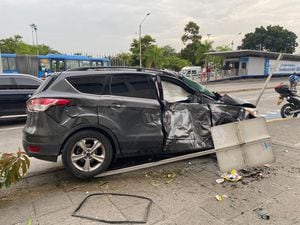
(251, 111)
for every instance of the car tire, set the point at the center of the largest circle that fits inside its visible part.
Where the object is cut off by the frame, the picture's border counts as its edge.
(286, 109)
(87, 153)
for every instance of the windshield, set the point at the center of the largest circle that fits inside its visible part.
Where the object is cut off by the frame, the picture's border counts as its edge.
(197, 86)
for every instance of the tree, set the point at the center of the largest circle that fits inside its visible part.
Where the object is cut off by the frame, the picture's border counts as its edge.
(15, 44)
(191, 33)
(174, 62)
(217, 61)
(147, 42)
(154, 57)
(200, 52)
(192, 41)
(122, 59)
(271, 38)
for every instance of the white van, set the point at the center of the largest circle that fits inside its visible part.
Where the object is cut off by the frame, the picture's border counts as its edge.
(190, 71)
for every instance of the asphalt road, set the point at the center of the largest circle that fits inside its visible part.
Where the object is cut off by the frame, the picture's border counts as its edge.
(11, 129)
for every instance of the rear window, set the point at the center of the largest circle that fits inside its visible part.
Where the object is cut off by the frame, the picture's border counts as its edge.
(88, 84)
(6, 82)
(132, 85)
(46, 83)
(27, 83)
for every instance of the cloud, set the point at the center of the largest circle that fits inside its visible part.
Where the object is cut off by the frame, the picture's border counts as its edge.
(110, 26)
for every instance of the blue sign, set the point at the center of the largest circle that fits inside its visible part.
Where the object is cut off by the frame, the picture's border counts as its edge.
(267, 66)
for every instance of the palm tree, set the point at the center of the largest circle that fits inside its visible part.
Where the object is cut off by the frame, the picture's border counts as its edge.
(201, 50)
(154, 57)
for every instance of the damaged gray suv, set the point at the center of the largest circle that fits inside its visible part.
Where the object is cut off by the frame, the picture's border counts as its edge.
(92, 116)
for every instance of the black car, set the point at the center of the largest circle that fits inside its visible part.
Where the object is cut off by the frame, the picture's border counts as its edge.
(92, 116)
(15, 90)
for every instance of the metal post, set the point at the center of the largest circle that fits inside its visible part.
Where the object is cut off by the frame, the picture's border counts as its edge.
(140, 37)
(1, 67)
(36, 40)
(268, 79)
(32, 36)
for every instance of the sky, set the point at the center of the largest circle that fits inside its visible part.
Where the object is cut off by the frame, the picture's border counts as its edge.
(108, 27)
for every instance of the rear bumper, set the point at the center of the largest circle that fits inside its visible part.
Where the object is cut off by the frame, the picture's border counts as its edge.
(48, 152)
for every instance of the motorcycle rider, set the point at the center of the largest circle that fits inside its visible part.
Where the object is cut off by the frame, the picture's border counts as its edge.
(293, 82)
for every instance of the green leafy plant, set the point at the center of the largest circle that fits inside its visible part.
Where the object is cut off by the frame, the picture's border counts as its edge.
(13, 166)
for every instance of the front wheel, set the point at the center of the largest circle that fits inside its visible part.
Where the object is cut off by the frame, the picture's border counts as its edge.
(87, 153)
(286, 111)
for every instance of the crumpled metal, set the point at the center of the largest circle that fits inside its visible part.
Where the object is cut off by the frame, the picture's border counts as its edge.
(187, 127)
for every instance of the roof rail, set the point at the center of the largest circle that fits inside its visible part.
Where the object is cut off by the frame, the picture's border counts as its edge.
(86, 68)
(128, 68)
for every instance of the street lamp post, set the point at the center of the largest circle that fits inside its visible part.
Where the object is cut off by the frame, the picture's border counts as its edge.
(140, 37)
(34, 28)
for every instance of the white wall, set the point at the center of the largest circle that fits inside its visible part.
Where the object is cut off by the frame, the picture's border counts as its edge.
(256, 66)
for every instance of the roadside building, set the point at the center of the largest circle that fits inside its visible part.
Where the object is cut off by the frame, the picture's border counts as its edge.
(249, 63)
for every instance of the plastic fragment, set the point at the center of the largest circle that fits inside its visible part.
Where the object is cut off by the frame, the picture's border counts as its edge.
(233, 176)
(220, 180)
(219, 197)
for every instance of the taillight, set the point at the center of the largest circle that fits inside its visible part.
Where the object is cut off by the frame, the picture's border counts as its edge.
(42, 104)
(34, 149)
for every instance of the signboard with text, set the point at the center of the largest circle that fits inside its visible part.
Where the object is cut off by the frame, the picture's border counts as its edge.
(284, 67)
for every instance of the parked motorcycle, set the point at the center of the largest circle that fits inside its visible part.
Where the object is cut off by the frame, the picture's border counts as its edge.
(292, 108)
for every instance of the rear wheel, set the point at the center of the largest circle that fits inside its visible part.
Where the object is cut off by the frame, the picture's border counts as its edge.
(87, 153)
(286, 111)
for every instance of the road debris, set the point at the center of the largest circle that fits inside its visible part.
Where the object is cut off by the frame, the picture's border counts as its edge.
(262, 213)
(219, 197)
(133, 220)
(233, 176)
(220, 180)
(163, 176)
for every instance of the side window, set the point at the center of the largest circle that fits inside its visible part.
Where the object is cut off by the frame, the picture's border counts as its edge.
(88, 84)
(132, 85)
(173, 92)
(26, 83)
(6, 83)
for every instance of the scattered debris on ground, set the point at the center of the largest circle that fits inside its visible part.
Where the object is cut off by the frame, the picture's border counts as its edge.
(262, 213)
(221, 197)
(246, 175)
(163, 176)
